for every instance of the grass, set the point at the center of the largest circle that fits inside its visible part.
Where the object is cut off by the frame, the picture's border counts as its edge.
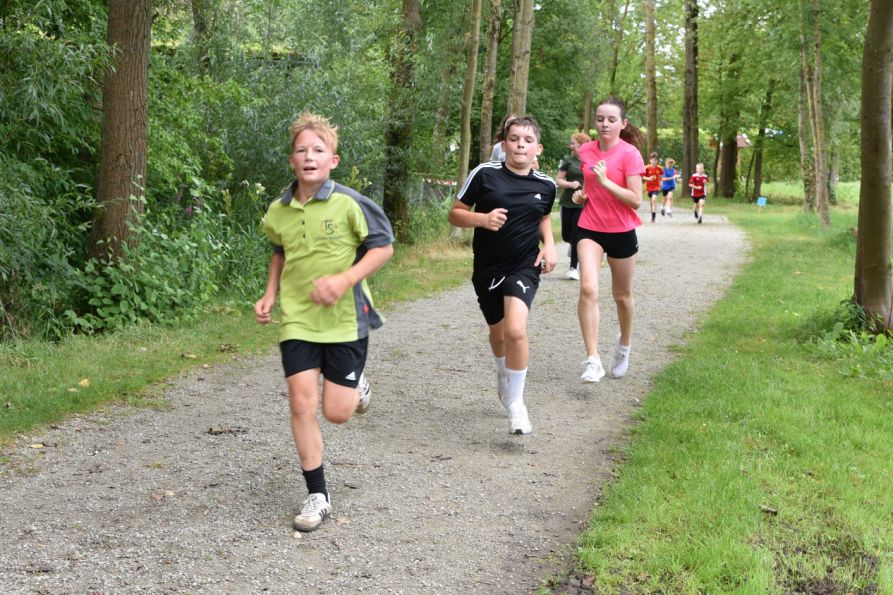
(42, 383)
(791, 193)
(762, 460)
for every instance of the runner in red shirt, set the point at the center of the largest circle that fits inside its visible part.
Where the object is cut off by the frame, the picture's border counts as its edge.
(698, 185)
(653, 175)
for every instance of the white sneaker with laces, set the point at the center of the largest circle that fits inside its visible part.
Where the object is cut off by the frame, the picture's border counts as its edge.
(594, 371)
(365, 391)
(573, 274)
(315, 510)
(519, 422)
(620, 361)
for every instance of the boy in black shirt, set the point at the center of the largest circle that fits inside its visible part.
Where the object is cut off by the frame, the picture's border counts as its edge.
(512, 203)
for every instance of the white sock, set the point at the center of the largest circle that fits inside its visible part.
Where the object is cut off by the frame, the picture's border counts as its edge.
(515, 392)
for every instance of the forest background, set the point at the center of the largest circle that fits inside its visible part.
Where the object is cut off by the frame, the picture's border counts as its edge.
(223, 80)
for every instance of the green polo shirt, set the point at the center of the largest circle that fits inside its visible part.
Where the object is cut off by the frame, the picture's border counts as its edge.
(325, 236)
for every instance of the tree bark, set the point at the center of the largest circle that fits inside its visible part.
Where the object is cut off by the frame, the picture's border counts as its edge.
(813, 61)
(122, 160)
(399, 130)
(587, 112)
(690, 93)
(618, 43)
(804, 134)
(873, 288)
(474, 43)
(650, 79)
(200, 28)
(522, 37)
(765, 110)
(489, 83)
(728, 165)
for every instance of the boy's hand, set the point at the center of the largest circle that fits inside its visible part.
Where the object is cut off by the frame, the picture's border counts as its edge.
(329, 290)
(263, 309)
(496, 219)
(547, 259)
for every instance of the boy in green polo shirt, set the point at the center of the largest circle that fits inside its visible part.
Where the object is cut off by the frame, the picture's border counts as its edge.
(327, 238)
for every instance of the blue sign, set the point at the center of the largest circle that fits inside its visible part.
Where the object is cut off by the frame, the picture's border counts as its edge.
(761, 201)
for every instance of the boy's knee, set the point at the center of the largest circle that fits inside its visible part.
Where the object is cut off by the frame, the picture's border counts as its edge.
(515, 332)
(337, 414)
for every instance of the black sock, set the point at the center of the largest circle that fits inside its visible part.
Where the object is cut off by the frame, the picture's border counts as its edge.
(316, 481)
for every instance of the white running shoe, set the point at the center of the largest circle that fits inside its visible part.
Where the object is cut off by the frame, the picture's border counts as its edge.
(620, 361)
(573, 274)
(365, 391)
(315, 510)
(594, 371)
(519, 423)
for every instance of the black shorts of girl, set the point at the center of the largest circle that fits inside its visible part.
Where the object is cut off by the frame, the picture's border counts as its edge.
(621, 244)
(341, 363)
(492, 289)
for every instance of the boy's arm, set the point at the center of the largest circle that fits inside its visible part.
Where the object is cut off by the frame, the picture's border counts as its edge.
(547, 257)
(461, 215)
(263, 307)
(328, 290)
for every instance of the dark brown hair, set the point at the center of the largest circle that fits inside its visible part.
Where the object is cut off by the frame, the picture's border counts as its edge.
(630, 133)
(524, 121)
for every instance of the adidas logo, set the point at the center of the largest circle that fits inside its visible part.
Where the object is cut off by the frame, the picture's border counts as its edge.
(537, 196)
(351, 376)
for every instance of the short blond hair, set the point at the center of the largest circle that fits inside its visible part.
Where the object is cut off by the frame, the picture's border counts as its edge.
(317, 124)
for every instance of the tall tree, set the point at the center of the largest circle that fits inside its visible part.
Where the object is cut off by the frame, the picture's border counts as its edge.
(811, 44)
(650, 78)
(122, 160)
(760, 141)
(728, 128)
(690, 92)
(474, 43)
(398, 136)
(200, 28)
(522, 38)
(804, 134)
(873, 279)
(489, 83)
(617, 26)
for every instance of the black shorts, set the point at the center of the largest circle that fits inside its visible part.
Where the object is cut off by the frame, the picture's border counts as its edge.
(621, 244)
(341, 363)
(491, 291)
(666, 191)
(653, 193)
(698, 198)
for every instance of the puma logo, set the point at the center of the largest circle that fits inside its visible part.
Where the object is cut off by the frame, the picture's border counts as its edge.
(523, 287)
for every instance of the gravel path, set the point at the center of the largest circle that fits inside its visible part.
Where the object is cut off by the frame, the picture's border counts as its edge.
(430, 492)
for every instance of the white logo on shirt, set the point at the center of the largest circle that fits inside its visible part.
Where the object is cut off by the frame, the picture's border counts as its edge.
(538, 197)
(351, 376)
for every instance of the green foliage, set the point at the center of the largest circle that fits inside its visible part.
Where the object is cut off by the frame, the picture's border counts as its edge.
(845, 337)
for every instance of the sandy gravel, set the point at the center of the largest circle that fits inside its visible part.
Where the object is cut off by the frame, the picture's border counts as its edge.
(430, 493)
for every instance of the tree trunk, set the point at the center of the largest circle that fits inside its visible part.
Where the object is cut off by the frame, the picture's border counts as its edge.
(650, 78)
(728, 169)
(122, 158)
(474, 43)
(618, 43)
(587, 112)
(456, 44)
(804, 134)
(690, 94)
(200, 28)
(399, 130)
(873, 288)
(522, 37)
(489, 84)
(765, 110)
(813, 71)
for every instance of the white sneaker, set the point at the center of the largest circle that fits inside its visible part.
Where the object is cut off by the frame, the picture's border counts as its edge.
(593, 372)
(573, 274)
(620, 361)
(316, 509)
(365, 391)
(519, 423)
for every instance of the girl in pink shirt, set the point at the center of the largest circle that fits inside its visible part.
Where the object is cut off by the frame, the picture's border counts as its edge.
(612, 190)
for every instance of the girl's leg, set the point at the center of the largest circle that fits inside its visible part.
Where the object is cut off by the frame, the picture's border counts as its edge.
(591, 255)
(669, 201)
(572, 235)
(622, 270)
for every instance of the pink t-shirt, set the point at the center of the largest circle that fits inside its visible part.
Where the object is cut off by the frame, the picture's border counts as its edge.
(602, 212)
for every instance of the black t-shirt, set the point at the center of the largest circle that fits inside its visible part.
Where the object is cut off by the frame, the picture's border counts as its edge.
(527, 198)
